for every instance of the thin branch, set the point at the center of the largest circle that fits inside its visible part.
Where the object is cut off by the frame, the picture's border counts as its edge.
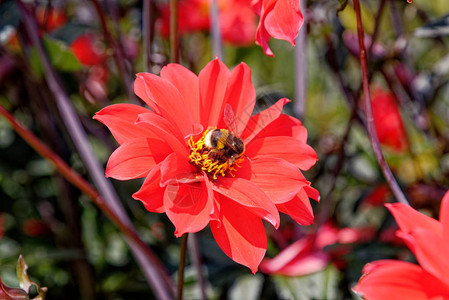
(174, 39)
(156, 277)
(400, 197)
(377, 27)
(217, 43)
(146, 32)
(118, 54)
(301, 66)
(195, 257)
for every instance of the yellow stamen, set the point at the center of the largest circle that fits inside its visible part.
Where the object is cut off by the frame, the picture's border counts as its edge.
(209, 159)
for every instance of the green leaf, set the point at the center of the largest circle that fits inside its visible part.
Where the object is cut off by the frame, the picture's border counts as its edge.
(60, 56)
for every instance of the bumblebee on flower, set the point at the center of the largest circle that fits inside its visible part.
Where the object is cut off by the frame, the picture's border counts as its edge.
(209, 162)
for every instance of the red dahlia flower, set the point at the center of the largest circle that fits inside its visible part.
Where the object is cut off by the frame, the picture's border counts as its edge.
(280, 19)
(428, 239)
(198, 170)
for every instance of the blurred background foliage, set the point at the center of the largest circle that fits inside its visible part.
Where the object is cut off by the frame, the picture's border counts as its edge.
(71, 246)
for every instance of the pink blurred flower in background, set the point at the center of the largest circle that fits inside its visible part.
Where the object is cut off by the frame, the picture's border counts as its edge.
(428, 239)
(90, 51)
(308, 254)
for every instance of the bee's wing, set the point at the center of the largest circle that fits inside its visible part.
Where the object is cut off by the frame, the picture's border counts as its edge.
(229, 119)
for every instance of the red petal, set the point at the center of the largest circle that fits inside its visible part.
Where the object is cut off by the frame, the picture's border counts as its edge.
(409, 219)
(151, 194)
(240, 235)
(165, 100)
(398, 280)
(280, 180)
(120, 118)
(187, 84)
(312, 193)
(262, 35)
(249, 195)
(258, 122)
(135, 158)
(164, 130)
(241, 95)
(428, 248)
(284, 20)
(299, 209)
(176, 169)
(188, 206)
(213, 80)
(285, 125)
(287, 148)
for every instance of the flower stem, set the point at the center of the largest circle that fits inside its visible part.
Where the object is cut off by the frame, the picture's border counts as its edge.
(400, 197)
(217, 45)
(195, 258)
(174, 47)
(182, 264)
(301, 66)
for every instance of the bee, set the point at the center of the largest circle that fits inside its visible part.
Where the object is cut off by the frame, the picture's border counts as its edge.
(224, 144)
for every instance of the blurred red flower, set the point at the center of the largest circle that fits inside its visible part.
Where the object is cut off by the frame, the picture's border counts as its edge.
(388, 121)
(236, 17)
(428, 239)
(51, 18)
(35, 228)
(200, 173)
(378, 196)
(280, 19)
(88, 49)
(308, 255)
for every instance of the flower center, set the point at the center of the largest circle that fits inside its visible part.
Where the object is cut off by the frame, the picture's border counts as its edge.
(217, 152)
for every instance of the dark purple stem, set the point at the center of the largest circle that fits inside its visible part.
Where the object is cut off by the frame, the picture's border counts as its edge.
(400, 197)
(157, 278)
